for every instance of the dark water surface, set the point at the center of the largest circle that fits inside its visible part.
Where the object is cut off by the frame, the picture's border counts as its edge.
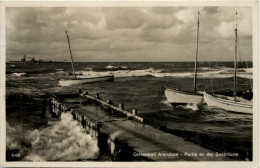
(137, 85)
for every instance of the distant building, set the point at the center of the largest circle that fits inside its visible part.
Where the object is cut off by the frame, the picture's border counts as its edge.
(23, 59)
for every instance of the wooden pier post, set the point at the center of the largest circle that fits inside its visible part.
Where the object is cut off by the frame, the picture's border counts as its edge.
(80, 91)
(44, 105)
(97, 96)
(73, 114)
(64, 109)
(113, 145)
(90, 130)
(83, 121)
(50, 105)
(121, 106)
(77, 117)
(98, 128)
(88, 126)
(53, 105)
(59, 110)
(134, 112)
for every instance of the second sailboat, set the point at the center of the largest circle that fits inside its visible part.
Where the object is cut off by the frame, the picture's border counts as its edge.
(176, 96)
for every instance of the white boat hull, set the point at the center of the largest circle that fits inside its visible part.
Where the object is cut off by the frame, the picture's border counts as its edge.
(176, 97)
(228, 105)
(69, 82)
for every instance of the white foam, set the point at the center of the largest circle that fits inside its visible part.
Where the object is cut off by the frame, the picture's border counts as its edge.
(65, 140)
(111, 67)
(11, 141)
(116, 134)
(60, 73)
(165, 102)
(222, 73)
(89, 69)
(19, 74)
(193, 107)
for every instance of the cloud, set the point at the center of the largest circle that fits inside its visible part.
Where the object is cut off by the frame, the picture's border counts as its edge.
(211, 10)
(125, 33)
(165, 10)
(187, 15)
(224, 29)
(124, 17)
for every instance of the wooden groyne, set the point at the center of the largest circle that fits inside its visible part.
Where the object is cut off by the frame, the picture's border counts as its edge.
(108, 106)
(123, 135)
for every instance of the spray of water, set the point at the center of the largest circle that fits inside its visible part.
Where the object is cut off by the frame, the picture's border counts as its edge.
(115, 134)
(19, 74)
(63, 141)
(193, 107)
(12, 142)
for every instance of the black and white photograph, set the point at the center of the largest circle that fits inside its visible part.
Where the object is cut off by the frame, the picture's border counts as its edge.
(121, 83)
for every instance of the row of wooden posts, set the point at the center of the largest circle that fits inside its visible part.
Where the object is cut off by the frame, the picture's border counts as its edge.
(56, 108)
(109, 106)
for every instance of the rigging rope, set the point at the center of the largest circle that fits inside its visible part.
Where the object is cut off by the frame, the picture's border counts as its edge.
(239, 53)
(211, 80)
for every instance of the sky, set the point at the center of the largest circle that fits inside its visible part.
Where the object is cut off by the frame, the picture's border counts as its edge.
(128, 34)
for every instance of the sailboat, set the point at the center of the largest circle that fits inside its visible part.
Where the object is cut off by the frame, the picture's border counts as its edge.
(81, 80)
(234, 104)
(176, 96)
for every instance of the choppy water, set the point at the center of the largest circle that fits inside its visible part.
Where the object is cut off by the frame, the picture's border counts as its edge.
(137, 85)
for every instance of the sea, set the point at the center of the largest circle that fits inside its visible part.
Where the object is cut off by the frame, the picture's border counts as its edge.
(139, 85)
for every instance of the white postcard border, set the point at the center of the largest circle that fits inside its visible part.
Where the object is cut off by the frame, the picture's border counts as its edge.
(92, 3)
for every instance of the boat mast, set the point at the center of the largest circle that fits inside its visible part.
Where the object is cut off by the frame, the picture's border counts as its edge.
(196, 57)
(70, 54)
(235, 62)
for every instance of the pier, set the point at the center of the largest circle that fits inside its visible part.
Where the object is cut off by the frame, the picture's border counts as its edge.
(124, 135)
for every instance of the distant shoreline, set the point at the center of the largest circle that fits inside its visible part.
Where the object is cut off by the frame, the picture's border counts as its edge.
(129, 62)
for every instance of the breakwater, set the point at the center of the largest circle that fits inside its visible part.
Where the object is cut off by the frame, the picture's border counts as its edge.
(124, 135)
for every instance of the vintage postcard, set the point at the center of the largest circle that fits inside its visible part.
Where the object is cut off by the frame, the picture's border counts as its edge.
(130, 84)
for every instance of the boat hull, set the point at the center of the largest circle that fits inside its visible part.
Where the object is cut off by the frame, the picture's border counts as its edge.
(69, 82)
(176, 97)
(228, 105)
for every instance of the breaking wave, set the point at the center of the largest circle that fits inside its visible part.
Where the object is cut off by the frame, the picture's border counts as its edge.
(222, 73)
(165, 102)
(12, 142)
(114, 68)
(89, 69)
(61, 72)
(193, 107)
(19, 74)
(65, 140)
